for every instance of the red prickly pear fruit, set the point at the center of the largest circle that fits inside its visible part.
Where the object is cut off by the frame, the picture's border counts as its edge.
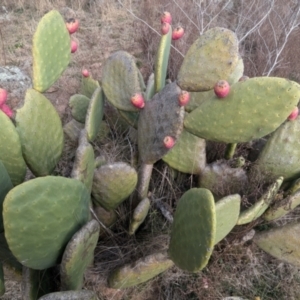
(85, 73)
(222, 88)
(165, 27)
(137, 100)
(166, 17)
(3, 96)
(294, 114)
(184, 98)
(177, 33)
(72, 25)
(74, 46)
(7, 110)
(169, 142)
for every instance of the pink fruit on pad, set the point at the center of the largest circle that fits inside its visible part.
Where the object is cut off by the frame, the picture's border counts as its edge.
(3, 96)
(73, 46)
(184, 98)
(137, 100)
(166, 17)
(85, 73)
(165, 27)
(294, 114)
(169, 142)
(222, 88)
(177, 33)
(7, 110)
(72, 25)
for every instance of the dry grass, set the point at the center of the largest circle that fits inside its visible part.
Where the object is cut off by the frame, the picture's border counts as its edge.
(236, 268)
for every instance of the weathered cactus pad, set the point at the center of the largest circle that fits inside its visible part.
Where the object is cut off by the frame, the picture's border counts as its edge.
(213, 56)
(72, 129)
(5, 186)
(252, 109)
(113, 183)
(120, 80)
(53, 208)
(10, 150)
(194, 230)
(71, 295)
(94, 114)
(227, 214)
(281, 242)
(140, 271)
(84, 164)
(79, 105)
(51, 50)
(161, 117)
(282, 208)
(161, 60)
(139, 215)
(78, 255)
(41, 133)
(256, 210)
(281, 154)
(188, 155)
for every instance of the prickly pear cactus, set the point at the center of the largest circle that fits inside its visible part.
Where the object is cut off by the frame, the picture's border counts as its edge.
(78, 255)
(72, 129)
(41, 133)
(113, 183)
(191, 249)
(51, 50)
(79, 105)
(140, 271)
(88, 86)
(54, 208)
(252, 109)
(10, 150)
(161, 117)
(281, 242)
(213, 56)
(120, 80)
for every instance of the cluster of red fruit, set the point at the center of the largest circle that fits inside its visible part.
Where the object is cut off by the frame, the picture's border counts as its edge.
(72, 26)
(3, 106)
(166, 20)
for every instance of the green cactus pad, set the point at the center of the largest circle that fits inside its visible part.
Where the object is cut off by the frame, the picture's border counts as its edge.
(188, 155)
(140, 271)
(139, 215)
(41, 133)
(78, 255)
(10, 150)
(94, 114)
(53, 208)
(227, 214)
(256, 210)
(281, 154)
(193, 230)
(213, 56)
(281, 242)
(237, 73)
(120, 80)
(51, 50)
(223, 180)
(88, 86)
(252, 109)
(5, 186)
(71, 295)
(79, 105)
(161, 117)
(72, 129)
(161, 60)
(84, 164)
(150, 89)
(130, 117)
(107, 217)
(197, 98)
(141, 81)
(113, 183)
(36, 283)
(283, 208)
